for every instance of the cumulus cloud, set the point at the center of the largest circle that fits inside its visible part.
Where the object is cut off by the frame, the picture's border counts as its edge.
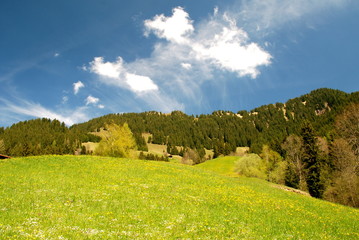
(91, 100)
(140, 83)
(176, 28)
(218, 41)
(115, 73)
(112, 70)
(228, 48)
(77, 86)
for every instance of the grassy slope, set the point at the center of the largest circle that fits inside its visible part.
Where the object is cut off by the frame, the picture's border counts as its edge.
(222, 165)
(59, 197)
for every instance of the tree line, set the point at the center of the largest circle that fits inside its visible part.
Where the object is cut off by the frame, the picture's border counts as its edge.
(223, 131)
(41, 137)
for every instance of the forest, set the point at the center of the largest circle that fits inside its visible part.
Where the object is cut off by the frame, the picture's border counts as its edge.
(309, 142)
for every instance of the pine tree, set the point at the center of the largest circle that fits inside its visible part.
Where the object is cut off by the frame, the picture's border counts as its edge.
(311, 161)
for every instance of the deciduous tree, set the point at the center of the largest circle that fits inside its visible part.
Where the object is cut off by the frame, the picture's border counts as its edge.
(293, 147)
(117, 141)
(345, 182)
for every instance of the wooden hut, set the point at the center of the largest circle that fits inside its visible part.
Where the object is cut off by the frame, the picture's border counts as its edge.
(4, 156)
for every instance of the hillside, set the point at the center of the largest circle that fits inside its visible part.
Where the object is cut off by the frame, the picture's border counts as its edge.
(223, 165)
(67, 197)
(221, 131)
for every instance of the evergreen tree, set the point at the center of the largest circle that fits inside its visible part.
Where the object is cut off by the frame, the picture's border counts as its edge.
(83, 150)
(311, 161)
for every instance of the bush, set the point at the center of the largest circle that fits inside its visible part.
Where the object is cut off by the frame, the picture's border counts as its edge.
(250, 165)
(278, 173)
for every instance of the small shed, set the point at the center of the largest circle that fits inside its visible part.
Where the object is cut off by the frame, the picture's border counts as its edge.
(4, 156)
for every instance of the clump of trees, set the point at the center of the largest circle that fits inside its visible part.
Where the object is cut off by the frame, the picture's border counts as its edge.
(269, 165)
(193, 156)
(325, 167)
(344, 186)
(153, 157)
(40, 137)
(344, 181)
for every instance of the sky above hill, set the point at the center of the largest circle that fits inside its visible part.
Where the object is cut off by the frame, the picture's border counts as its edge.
(74, 60)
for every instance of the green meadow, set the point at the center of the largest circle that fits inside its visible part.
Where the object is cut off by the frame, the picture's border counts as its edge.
(222, 165)
(86, 197)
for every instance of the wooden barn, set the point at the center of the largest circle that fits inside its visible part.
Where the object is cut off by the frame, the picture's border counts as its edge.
(4, 156)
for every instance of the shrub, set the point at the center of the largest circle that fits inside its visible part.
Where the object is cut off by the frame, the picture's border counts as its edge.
(250, 165)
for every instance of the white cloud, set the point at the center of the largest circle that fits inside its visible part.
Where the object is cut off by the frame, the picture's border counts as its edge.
(56, 54)
(175, 28)
(115, 73)
(218, 41)
(77, 86)
(228, 48)
(190, 56)
(107, 69)
(26, 108)
(91, 100)
(101, 106)
(140, 83)
(186, 65)
(215, 11)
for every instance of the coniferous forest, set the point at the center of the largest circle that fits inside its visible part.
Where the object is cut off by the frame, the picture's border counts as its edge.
(316, 135)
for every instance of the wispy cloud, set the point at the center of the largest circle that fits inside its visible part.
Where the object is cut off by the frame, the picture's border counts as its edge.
(273, 14)
(91, 100)
(94, 101)
(77, 86)
(65, 99)
(36, 110)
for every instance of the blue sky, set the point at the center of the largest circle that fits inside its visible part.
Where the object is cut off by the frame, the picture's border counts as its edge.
(74, 60)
